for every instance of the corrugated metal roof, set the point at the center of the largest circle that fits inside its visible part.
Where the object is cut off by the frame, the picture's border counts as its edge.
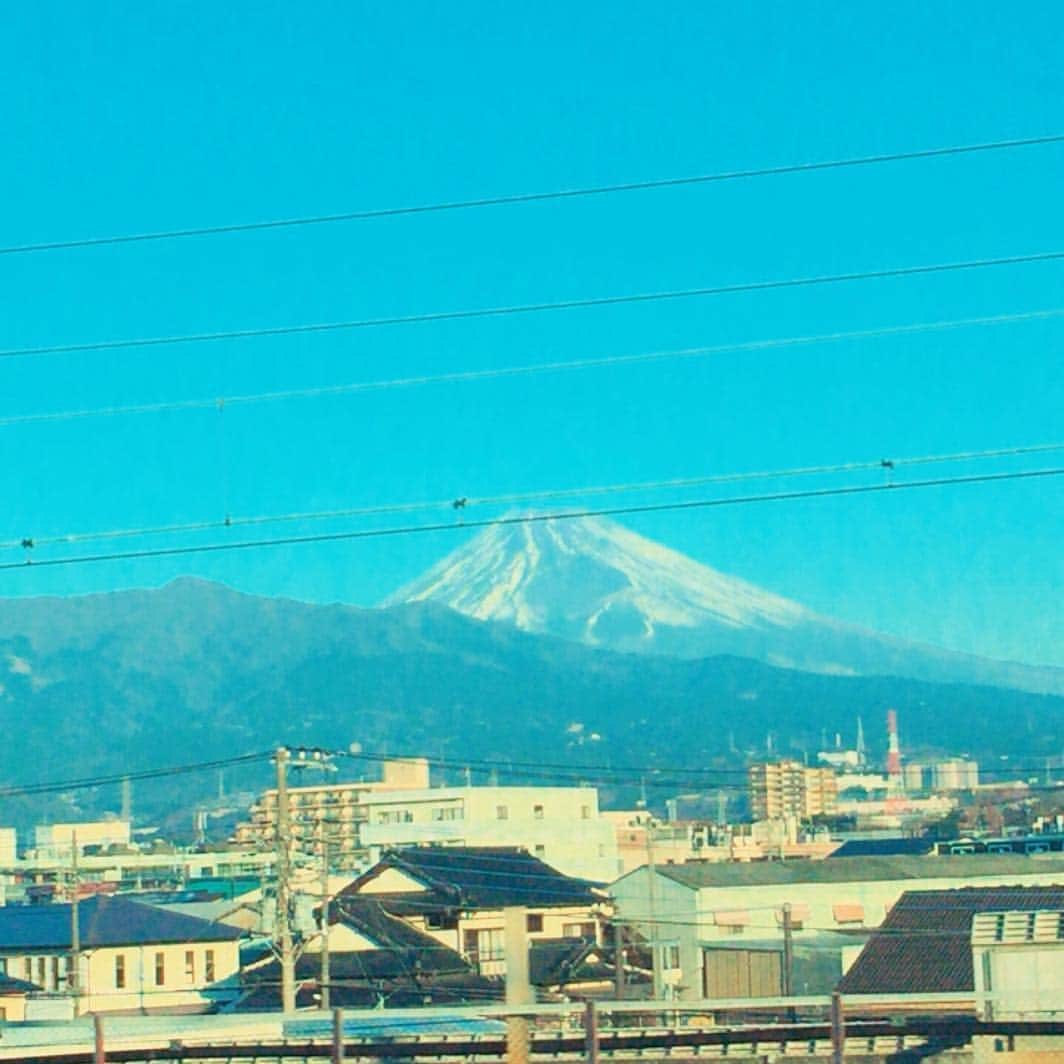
(102, 921)
(766, 873)
(924, 945)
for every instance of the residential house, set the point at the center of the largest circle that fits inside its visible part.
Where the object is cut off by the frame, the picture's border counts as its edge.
(131, 957)
(376, 959)
(457, 895)
(718, 929)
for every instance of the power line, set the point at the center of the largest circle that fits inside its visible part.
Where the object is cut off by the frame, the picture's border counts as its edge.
(534, 308)
(17, 790)
(465, 376)
(522, 519)
(512, 199)
(526, 497)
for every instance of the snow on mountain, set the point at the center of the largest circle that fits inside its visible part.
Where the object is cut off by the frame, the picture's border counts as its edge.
(592, 579)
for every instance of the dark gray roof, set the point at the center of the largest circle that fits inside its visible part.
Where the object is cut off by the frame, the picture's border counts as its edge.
(924, 944)
(103, 921)
(402, 948)
(768, 873)
(490, 877)
(892, 847)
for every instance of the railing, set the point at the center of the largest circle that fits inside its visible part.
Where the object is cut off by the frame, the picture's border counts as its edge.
(807, 1025)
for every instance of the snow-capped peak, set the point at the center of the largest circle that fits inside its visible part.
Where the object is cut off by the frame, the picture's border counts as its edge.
(593, 579)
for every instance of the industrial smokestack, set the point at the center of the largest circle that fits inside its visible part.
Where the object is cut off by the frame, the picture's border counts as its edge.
(894, 776)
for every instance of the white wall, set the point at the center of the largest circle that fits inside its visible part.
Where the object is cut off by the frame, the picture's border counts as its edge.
(560, 825)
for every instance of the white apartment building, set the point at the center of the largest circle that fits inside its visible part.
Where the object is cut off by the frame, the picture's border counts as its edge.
(57, 841)
(560, 825)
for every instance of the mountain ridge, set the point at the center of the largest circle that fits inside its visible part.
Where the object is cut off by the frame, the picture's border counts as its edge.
(594, 581)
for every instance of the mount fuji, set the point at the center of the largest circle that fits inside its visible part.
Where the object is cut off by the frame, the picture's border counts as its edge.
(593, 581)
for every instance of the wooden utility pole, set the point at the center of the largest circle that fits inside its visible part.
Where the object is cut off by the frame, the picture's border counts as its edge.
(618, 961)
(282, 928)
(337, 1037)
(518, 987)
(838, 1029)
(99, 1054)
(788, 951)
(591, 1033)
(652, 891)
(73, 976)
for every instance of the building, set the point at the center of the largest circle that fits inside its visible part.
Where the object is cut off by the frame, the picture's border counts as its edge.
(1005, 941)
(718, 929)
(780, 789)
(57, 841)
(131, 957)
(954, 774)
(560, 825)
(457, 896)
(343, 806)
(376, 959)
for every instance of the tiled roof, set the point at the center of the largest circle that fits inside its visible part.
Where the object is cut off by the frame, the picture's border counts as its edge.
(766, 873)
(561, 961)
(924, 944)
(480, 878)
(403, 949)
(102, 921)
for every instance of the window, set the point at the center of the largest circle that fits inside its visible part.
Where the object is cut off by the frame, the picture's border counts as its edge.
(732, 929)
(41, 972)
(670, 956)
(537, 812)
(585, 812)
(441, 921)
(208, 966)
(160, 969)
(448, 812)
(55, 973)
(490, 944)
(190, 966)
(502, 813)
(540, 850)
(534, 922)
(586, 930)
(120, 971)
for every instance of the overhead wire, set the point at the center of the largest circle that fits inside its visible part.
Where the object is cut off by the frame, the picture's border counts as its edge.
(19, 790)
(535, 518)
(557, 366)
(512, 498)
(512, 199)
(771, 284)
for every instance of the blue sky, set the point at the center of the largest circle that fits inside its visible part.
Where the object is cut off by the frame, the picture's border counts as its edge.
(131, 117)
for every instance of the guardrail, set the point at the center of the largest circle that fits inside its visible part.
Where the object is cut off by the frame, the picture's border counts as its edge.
(809, 1025)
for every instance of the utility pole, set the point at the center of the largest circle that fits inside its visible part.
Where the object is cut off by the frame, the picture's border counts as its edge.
(75, 925)
(618, 961)
(518, 987)
(324, 920)
(652, 905)
(838, 1029)
(282, 928)
(788, 951)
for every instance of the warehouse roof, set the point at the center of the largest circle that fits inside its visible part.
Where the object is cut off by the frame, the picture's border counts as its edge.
(767, 873)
